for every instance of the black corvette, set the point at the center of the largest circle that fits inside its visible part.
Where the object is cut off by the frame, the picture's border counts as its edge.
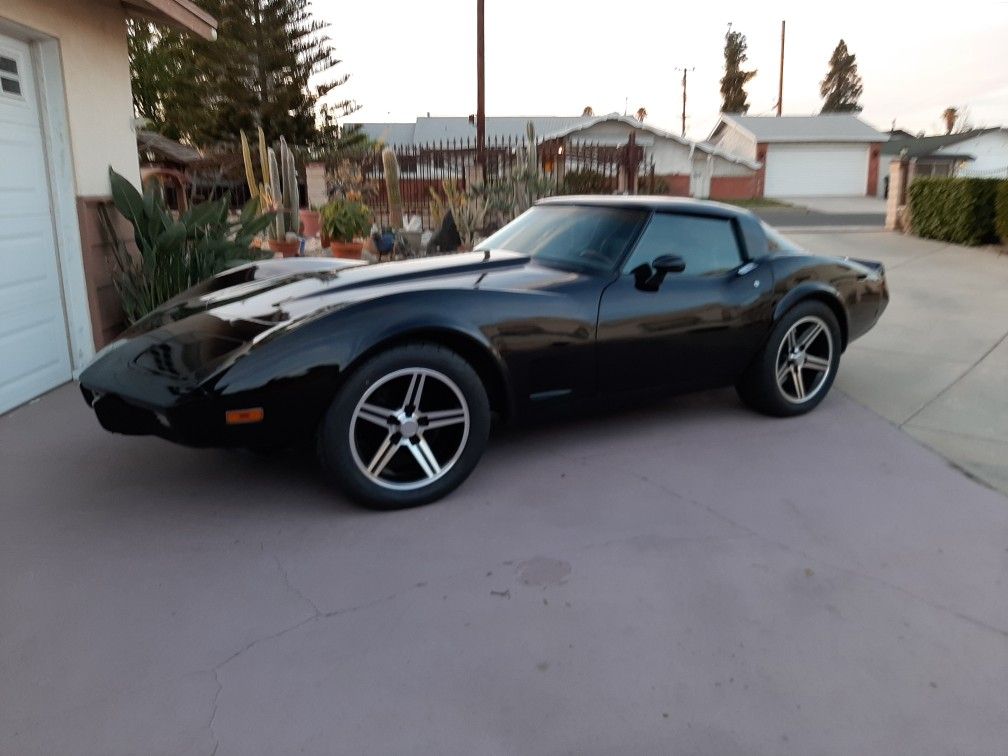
(396, 368)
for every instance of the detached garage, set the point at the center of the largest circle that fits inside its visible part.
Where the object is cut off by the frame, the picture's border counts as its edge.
(834, 155)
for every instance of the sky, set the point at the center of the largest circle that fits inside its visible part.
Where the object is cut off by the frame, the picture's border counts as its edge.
(408, 58)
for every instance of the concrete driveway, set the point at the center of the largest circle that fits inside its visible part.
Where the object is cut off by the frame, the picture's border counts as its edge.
(685, 577)
(936, 363)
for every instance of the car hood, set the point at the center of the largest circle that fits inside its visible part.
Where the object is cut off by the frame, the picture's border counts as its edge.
(277, 292)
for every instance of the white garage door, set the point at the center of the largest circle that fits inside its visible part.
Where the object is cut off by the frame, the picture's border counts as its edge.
(34, 351)
(805, 170)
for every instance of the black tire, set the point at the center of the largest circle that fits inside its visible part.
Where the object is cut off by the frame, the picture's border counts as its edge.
(759, 388)
(343, 458)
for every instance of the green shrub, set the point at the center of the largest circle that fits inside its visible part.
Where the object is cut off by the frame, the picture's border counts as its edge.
(957, 210)
(1001, 212)
(174, 254)
(586, 181)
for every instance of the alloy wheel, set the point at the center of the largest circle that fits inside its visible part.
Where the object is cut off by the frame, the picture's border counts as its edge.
(804, 359)
(409, 428)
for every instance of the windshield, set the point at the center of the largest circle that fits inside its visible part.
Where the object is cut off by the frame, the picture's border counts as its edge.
(581, 237)
(777, 242)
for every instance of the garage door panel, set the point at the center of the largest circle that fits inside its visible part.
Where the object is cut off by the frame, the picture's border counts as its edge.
(23, 258)
(34, 350)
(816, 170)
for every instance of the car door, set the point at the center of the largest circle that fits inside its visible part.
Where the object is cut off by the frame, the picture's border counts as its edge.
(694, 328)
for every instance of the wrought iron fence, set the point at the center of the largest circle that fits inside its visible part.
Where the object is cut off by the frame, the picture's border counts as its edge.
(570, 168)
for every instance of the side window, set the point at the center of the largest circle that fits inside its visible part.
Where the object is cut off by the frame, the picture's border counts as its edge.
(707, 245)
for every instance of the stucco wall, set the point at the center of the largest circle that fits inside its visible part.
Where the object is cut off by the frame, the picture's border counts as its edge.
(92, 39)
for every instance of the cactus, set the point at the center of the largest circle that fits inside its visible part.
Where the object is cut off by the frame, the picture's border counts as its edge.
(391, 166)
(291, 195)
(279, 224)
(531, 150)
(278, 190)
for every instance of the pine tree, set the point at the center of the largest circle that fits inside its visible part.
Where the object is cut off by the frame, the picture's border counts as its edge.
(841, 89)
(255, 74)
(733, 94)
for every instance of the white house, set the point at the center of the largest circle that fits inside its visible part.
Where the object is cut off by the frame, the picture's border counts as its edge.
(66, 115)
(805, 156)
(988, 148)
(689, 168)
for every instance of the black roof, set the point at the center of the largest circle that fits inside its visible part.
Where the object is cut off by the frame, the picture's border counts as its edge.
(649, 202)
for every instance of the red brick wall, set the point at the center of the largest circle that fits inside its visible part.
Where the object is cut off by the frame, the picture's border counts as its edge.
(107, 319)
(676, 184)
(734, 187)
(873, 169)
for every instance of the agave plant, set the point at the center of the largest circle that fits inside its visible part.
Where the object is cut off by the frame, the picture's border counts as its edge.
(174, 254)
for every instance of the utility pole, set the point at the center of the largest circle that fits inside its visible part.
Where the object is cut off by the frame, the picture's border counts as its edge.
(780, 85)
(480, 90)
(684, 72)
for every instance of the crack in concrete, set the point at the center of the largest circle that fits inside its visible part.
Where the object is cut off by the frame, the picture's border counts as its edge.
(956, 382)
(292, 588)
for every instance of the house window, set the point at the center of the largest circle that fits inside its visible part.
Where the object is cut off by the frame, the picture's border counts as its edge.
(10, 81)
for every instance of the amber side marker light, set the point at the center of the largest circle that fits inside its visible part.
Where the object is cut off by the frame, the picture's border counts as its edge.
(244, 416)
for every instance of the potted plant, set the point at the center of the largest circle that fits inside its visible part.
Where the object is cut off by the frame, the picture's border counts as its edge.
(342, 221)
(311, 222)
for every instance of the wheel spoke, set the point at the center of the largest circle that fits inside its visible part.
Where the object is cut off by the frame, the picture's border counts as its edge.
(441, 418)
(799, 384)
(375, 414)
(415, 390)
(425, 458)
(810, 335)
(819, 364)
(792, 340)
(782, 373)
(383, 456)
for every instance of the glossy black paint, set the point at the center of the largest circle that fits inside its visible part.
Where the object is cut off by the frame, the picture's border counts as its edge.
(281, 334)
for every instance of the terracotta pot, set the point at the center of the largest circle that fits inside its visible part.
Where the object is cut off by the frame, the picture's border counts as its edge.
(324, 238)
(285, 248)
(310, 222)
(346, 250)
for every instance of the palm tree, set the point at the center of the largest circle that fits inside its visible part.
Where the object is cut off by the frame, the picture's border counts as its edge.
(588, 112)
(641, 113)
(951, 115)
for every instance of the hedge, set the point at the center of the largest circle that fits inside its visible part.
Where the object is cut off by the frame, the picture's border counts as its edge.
(957, 210)
(1001, 212)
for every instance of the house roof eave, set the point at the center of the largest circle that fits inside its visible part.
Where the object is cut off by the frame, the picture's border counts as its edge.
(181, 14)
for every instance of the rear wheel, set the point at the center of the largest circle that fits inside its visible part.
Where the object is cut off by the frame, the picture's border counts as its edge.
(795, 369)
(406, 428)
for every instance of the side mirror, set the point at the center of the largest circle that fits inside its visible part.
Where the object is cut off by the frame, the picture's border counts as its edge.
(668, 264)
(649, 277)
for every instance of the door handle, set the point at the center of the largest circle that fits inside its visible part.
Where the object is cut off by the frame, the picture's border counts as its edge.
(749, 267)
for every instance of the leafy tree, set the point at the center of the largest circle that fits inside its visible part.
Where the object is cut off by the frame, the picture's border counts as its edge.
(257, 72)
(841, 89)
(733, 94)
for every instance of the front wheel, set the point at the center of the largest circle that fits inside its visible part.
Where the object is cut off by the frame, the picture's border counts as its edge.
(406, 428)
(795, 369)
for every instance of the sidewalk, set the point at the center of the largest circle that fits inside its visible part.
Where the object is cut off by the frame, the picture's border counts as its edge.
(936, 363)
